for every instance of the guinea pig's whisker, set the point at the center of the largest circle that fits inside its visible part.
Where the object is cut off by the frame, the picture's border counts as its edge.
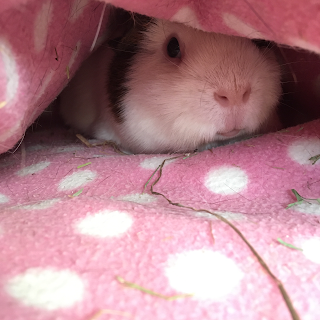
(267, 50)
(133, 52)
(170, 60)
(205, 83)
(294, 62)
(164, 33)
(119, 50)
(180, 114)
(286, 72)
(249, 35)
(284, 93)
(289, 65)
(291, 107)
(289, 81)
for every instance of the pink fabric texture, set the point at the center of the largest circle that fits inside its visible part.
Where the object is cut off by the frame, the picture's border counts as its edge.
(74, 219)
(42, 43)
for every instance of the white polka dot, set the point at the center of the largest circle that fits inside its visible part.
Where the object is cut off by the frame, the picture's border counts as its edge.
(10, 74)
(39, 205)
(138, 198)
(187, 16)
(77, 9)
(3, 198)
(33, 168)
(311, 249)
(301, 43)
(226, 180)
(153, 163)
(302, 150)
(203, 273)
(77, 179)
(41, 25)
(46, 288)
(311, 208)
(105, 224)
(241, 27)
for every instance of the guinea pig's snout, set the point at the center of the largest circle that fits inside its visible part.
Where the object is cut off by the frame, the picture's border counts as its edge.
(230, 98)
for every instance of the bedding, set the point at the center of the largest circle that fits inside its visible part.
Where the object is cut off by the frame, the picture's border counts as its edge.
(88, 233)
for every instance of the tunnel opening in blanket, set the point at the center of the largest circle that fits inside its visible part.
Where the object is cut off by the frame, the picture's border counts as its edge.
(299, 102)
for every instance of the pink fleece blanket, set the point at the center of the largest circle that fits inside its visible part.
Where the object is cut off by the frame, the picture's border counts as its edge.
(80, 235)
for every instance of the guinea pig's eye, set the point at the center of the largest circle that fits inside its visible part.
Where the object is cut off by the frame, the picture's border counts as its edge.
(173, 48)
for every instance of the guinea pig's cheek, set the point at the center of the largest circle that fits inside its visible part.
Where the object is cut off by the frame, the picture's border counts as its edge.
(253, 123)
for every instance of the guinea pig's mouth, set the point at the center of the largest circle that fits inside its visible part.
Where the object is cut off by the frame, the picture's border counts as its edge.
(229, 134)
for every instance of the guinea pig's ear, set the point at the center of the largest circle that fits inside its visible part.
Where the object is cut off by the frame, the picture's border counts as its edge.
(119, 22)
(131, 39)
(132, 26)
(125, 43)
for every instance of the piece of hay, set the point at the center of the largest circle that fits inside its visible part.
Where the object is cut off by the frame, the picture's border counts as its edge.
(76, 194)
(288, 244)
(152, 293)
(83, 165)
(285, 296)
(300, 199)
(110, 311)
(314, 159)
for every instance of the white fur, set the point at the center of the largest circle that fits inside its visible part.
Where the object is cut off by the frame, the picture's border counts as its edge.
(170, 106)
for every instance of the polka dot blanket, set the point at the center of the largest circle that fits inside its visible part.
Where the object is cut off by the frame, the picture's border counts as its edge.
(76, 222)
(88, 233)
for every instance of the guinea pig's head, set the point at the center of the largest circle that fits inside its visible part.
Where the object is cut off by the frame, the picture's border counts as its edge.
(181, 88)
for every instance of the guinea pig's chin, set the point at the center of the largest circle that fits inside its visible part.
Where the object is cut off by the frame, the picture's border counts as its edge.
(224, 135)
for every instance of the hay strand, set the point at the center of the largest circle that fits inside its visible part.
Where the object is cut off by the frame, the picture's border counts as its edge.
(285, 296)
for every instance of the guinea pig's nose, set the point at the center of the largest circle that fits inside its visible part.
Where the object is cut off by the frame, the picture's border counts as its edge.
(231, 98)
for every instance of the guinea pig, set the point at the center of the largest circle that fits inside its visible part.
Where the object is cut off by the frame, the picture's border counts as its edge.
(166, 87)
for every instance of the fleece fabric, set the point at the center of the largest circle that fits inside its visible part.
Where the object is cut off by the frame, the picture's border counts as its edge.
(82, 235)
(73, 219)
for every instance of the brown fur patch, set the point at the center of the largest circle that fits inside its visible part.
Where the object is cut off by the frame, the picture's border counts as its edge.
(125, 48)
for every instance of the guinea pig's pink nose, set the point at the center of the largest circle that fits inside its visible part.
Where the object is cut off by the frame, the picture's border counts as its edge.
(232, 98)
